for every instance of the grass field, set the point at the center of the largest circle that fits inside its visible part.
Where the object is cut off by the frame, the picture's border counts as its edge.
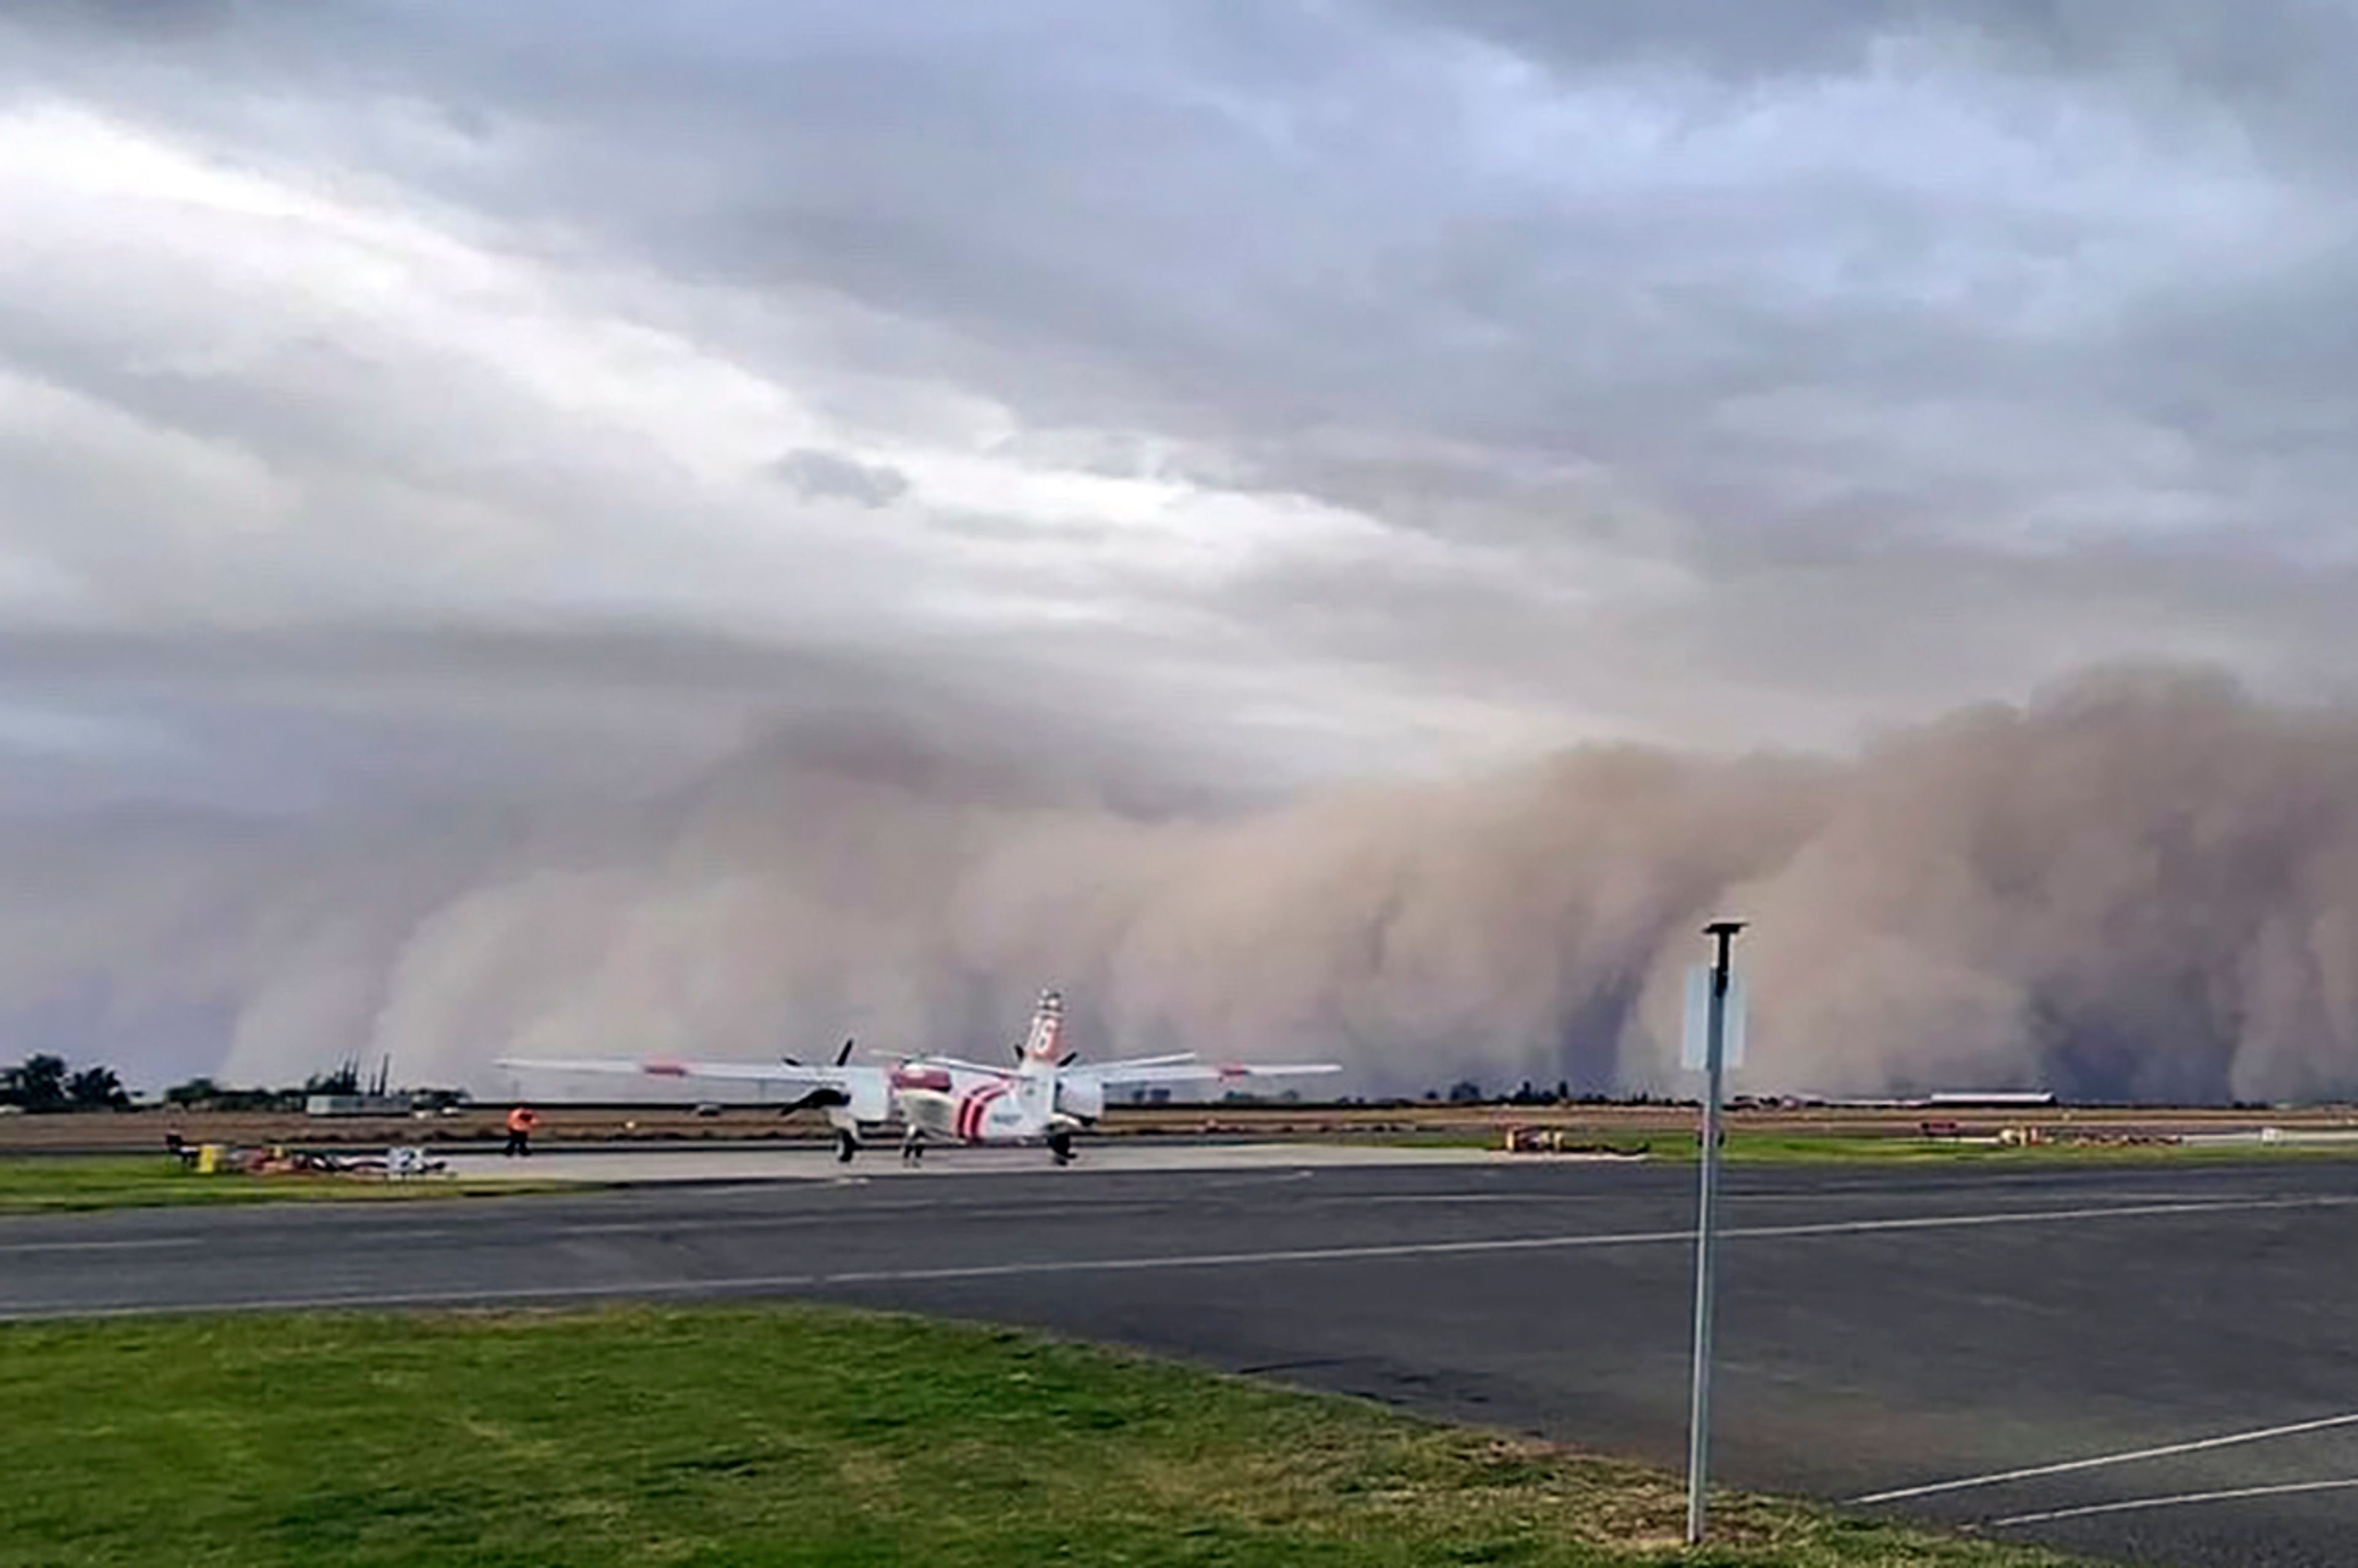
(67, 1181)
(790, 1435)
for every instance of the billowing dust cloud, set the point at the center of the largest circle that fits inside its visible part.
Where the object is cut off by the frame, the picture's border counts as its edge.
(2143, 885)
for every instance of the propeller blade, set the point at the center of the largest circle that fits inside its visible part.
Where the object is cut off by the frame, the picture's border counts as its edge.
(1070, 1057)
(845, 1055)
(791, 1061)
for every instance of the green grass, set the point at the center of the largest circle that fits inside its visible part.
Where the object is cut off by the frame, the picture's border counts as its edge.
(69, 1181)
(753, 1437)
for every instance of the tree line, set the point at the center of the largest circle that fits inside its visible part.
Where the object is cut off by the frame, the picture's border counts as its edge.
(41, 1083)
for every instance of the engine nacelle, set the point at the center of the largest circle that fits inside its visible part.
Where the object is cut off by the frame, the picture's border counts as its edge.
(1082, 1097)
(865, 1098)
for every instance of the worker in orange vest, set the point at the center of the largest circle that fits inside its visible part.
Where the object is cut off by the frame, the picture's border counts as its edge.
(521, 1121)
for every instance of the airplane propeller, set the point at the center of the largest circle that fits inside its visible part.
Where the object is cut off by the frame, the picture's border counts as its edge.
(1070, 1057)
(841, 1056)
(825, 1095)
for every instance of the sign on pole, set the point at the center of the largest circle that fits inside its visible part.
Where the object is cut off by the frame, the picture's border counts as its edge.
(1733, 1011)
(1695, 1045)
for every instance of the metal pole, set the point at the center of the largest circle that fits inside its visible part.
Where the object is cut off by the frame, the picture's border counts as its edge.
(1706, 1236)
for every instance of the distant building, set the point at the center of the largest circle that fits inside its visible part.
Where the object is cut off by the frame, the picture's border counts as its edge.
(357, 1105)
(1947, 1099)
(1989, 1099)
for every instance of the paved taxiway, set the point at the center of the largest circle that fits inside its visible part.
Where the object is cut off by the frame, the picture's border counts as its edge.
(1880, 1330)
(755, 1162)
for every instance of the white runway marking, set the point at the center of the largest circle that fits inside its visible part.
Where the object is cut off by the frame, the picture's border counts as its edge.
(688, 1229)
(2286, 1489)
(1373, 1251)
(2167, 1450)
(1552, 1243)
(128, 1245)
(690, 1226)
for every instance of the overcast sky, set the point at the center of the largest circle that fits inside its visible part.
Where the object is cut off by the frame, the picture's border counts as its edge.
(451, 395)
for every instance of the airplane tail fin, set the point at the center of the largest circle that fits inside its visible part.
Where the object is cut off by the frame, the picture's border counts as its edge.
(1044, 1043)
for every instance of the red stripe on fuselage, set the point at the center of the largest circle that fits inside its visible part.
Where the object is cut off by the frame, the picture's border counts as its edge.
(971, 1110)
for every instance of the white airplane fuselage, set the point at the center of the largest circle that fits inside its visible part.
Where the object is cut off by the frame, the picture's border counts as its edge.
(966, 1106)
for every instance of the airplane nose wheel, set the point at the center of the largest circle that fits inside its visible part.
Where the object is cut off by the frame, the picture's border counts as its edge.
(1060, 1147)
(846, 1146)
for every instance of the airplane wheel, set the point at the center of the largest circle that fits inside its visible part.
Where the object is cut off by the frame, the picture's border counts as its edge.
(1060, 1147)
(846, 1146)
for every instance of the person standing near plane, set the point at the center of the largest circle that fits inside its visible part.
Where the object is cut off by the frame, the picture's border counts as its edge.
(521, 1119)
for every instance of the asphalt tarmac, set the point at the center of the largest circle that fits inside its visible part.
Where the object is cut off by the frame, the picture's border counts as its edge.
(2145, 1340)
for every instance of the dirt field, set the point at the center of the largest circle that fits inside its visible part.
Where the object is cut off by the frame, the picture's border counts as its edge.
(146, 1129)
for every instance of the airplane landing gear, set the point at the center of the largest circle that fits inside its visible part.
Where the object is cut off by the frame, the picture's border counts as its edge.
(846, 1146)
(1060, 1147)
(912, 1146)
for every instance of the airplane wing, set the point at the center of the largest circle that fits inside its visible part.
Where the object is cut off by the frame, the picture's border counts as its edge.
(962, 1066)
(803, 1075)
(1135, 1064)
(1187, 1070)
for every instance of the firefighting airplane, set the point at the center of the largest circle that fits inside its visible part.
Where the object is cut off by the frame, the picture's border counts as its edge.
(1045, 1097)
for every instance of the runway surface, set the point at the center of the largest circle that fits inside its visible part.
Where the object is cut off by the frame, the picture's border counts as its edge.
(2144, 1341)
(755, 1163)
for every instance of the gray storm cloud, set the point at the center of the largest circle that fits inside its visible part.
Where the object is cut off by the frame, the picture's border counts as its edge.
(1281, 394)
(2143, 883)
